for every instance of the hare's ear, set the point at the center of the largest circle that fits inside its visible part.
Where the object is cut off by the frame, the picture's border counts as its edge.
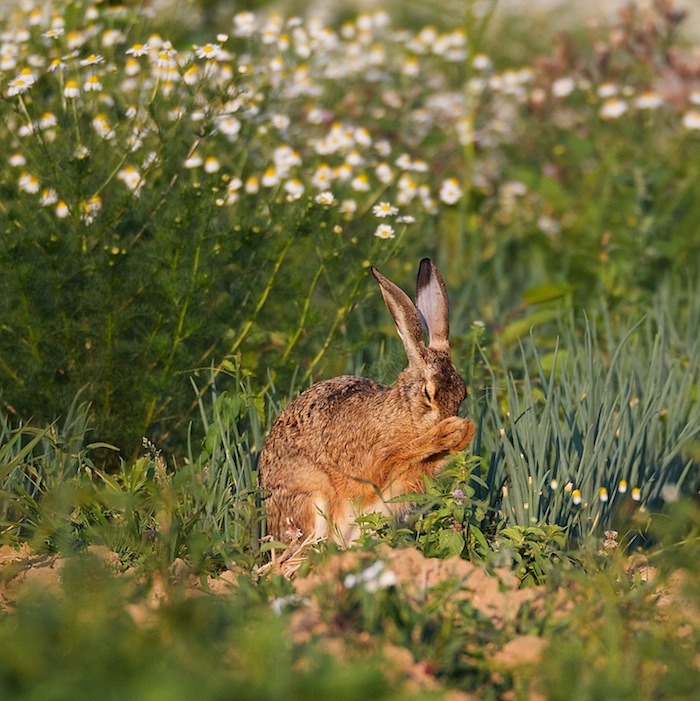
(406, 317)
(431, 300)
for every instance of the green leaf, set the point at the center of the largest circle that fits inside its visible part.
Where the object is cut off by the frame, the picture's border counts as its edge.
(9, 462)
(546, 293)
(101, 444)
(513, 533)
(451, 543)
(272, 545)
(521, 328)
(479, 537)
(547, 362)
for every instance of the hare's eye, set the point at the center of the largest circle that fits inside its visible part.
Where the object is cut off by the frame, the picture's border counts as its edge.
(427, 394)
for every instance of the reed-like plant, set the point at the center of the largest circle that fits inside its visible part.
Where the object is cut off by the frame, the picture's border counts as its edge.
(608, 428)
(205, 506)
(37, 462)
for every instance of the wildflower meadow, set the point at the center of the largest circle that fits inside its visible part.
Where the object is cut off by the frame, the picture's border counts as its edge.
(191, 196)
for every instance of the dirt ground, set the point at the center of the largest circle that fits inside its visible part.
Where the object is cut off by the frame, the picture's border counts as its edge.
(495, 595)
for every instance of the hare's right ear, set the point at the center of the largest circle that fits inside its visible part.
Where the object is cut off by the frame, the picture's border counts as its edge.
(431, 300)
(406, 317)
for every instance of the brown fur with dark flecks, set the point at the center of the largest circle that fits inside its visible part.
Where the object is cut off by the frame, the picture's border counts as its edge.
(347, 445)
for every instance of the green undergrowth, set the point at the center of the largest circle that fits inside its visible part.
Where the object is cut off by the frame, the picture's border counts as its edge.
(188, 598)
(594, 437)
(357, 623)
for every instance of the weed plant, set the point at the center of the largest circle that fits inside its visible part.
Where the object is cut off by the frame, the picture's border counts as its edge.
(208, 509)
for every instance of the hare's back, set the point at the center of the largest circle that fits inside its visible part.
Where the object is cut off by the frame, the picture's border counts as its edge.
(330, 401)
(328, 415)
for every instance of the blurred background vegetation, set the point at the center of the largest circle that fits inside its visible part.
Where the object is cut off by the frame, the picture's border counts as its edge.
(562, 207)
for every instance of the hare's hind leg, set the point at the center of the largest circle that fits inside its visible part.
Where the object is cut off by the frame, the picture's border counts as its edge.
(315, 511)
(296, 513)
(290, 515)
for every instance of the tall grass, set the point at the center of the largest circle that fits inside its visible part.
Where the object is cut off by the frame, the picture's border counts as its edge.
(582, 439)
(207, 507)
(38, 462)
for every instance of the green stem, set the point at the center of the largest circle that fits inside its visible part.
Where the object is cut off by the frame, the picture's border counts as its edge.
(340, 317)
(33, 343)
(247, 326)
(182, 318)
(179, 335)
(474, 31)
(9, 371)
(109, 342)
(76, 119)
(162, 200)
(263, 298)
(112, 175)
(302, 318)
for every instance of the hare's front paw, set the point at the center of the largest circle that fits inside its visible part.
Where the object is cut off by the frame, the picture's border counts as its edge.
(455, 434)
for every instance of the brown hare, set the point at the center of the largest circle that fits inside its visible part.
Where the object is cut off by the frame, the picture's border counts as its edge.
(347, 445)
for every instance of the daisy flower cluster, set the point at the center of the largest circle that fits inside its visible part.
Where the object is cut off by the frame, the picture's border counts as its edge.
(160, 186)
(629, 75)
(253, 116)
(291, 110)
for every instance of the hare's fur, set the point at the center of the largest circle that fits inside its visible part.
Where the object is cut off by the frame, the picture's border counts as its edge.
(347, 445)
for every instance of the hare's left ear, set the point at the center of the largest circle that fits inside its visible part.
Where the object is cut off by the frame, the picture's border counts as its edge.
(406, 317)
(431, 300)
